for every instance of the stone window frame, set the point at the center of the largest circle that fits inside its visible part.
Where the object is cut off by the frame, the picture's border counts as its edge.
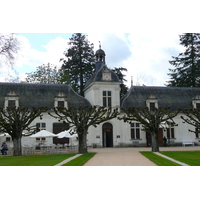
(151, 99)
(11, 96)
(135, 130)
(107, 98)
(60, 98)
(196, 101)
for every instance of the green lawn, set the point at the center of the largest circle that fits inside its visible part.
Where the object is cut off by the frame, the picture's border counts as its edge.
(189, 157)
(33, 160)
(81, 160)
(158, 160)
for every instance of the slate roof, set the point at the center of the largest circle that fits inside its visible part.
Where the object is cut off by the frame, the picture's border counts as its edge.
(97, 77)
(173, 97)
(40, 94)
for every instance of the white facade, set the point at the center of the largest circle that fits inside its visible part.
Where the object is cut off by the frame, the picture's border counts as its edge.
(103, 89)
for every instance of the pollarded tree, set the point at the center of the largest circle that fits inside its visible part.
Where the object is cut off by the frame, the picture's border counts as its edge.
(151, 120)
(79, 63)
(187, 64)
(16, 120)
(82, 118)
(192, 117)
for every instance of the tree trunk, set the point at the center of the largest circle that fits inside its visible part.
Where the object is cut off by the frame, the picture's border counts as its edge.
(82, 148)
(155, 145)
(17, 147)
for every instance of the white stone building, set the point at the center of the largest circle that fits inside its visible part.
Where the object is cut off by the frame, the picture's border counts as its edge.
(103, 89)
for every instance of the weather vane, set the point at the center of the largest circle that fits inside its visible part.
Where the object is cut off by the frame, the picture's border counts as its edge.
(99, 45)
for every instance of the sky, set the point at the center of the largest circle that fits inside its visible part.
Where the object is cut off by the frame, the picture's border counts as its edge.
(141, 36)
(145, 56)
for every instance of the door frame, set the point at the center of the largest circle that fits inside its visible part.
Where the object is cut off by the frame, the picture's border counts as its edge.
(107, 135)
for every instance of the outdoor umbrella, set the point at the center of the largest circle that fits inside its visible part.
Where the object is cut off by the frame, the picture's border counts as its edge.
(66, 134)
(43, 134)
(4, 135)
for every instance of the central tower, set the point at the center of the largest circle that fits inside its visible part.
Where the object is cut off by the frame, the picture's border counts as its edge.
(103, 88)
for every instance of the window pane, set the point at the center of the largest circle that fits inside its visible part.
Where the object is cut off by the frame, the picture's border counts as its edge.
(172, 133)
(168, 133)
(109, 102)
(137, 133)
(137, 124)
(61, 104)
(132, 124)
(132, 134)
(104, 93)
(11, 103)
(152, 106)
(104, 101)
(109, 93)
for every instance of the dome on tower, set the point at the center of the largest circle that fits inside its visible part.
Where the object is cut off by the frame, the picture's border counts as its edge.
(100, 52)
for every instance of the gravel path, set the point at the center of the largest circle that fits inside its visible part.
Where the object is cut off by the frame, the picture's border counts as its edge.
(128, 156)
(119, 157)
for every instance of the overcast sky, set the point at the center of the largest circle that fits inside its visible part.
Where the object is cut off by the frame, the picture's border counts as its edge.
(146, 56)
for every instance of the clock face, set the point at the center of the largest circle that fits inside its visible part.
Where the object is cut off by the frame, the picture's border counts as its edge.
(106, 77)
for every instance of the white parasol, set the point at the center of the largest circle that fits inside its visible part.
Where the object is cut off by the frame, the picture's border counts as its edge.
(4, 135)
(43, 134)
(67, 134)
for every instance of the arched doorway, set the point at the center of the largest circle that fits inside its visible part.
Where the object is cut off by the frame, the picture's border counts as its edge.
(107, 135)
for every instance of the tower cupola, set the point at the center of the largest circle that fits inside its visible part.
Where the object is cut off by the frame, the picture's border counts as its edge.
(100, 57)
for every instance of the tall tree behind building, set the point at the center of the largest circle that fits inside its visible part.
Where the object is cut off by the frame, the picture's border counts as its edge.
(187, 64)
(121, 76)
(79, 62)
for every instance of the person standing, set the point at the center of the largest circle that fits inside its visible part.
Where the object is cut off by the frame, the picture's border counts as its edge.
(4, 148)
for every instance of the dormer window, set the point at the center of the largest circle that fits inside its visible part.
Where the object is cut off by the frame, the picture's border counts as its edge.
(152, 102)
(196, 102)
(11, 100)
(60, 101)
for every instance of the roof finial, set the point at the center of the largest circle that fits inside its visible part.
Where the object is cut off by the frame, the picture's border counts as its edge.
(99, 45)
(131, 81)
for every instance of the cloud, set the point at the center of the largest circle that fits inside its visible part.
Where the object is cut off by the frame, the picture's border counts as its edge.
(145, 55)
(30, 58)
(151, 52)
(115, 46)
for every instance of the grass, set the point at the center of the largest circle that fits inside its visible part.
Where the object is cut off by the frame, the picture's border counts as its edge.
(81, 160)
(189, 157)
(33, 160)
(158, 160)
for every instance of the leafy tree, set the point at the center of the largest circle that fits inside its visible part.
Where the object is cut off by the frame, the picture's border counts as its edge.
(47, 74)
(151, 120)
(79, 64)
(187, 64)
(16, 120)
(124, 88)
(9, 47)
(192, 118)
(82, 118)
